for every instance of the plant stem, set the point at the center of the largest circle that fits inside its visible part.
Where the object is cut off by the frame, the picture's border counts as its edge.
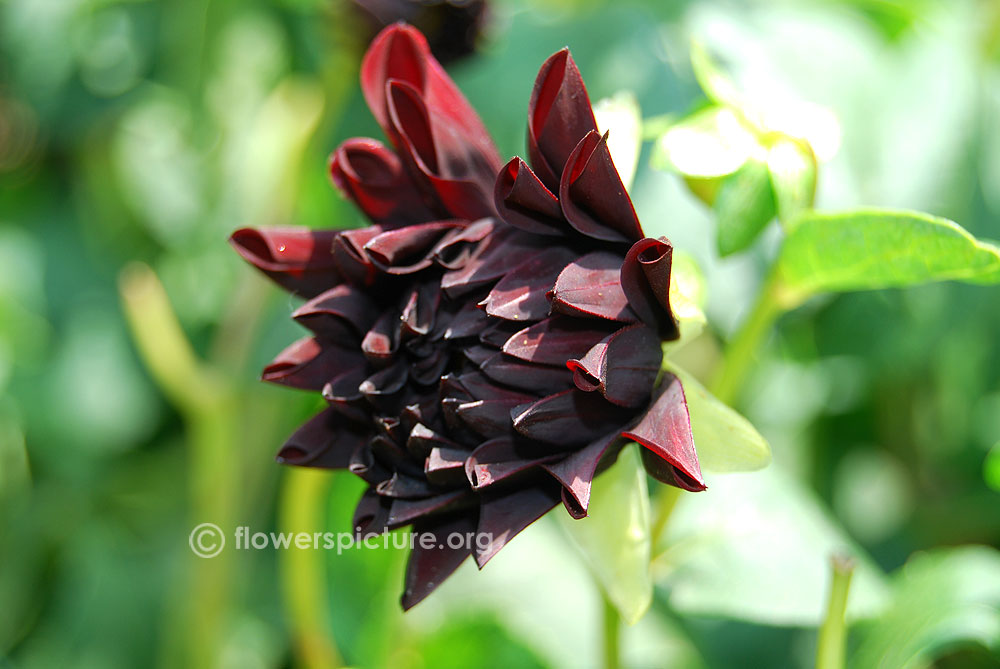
(833, 633)
(742, 347)
(303, 569)
(612, 632)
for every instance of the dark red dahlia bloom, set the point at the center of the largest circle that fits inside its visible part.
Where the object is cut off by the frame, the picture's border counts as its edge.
(491, 341)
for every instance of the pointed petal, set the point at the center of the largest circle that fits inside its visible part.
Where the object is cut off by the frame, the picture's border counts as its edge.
(559, 115)
(352, 261)
(576, 473)
(569, 418)
(523, 201)
(309, 364)
(499, 459)
(503, 515)
(446, 466)
(405, 511)
(408, 249)
(556, 340)
(522, 295)
(592, 195)
(591, 286)
(645, 279)
(491, 260)
(299, 260)
(533, 378)
(342, 313)
(665, 430)
(325, 441)
(623, 367)
(432, 559)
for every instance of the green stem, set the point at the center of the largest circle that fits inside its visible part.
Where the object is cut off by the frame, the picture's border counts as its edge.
(830, 650)
(742, 347)
(612, 632)
(303, 570)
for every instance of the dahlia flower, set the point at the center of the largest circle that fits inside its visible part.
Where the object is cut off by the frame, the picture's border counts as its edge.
(491, 341)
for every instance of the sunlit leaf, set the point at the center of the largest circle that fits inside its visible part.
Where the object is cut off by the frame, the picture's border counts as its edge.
(614, 538)
(792, 165)
(687, 296)
(872, 249)
(710, 143)
(715, 83)
(725, 440)
(942, 599)
(621, 117)
(743, 207)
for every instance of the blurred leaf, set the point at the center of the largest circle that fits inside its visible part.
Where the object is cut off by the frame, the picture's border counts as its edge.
(871, 249)
(710, 143)
(944, 598)
(621, 117)
(614, 537)
(792, 165)
(725, 440)
(743, 207)
(687, 295)
(14, 468)
(715, 83)
(461, 643)
(992, 467)
(757, 547)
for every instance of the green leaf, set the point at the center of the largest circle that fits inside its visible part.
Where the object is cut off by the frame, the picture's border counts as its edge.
(942, 599)
(757, 547)
(871, 249)
(710, 143)
(792, 165)
(687, 295)
(725, 440)
(621, 117)
(615, 539)
(743, 207)
(715, 83)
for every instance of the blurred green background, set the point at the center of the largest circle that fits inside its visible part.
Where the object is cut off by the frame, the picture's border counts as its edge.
(135, 135)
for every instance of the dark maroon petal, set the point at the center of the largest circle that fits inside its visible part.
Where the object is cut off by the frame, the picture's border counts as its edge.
(645, 279)
(405, 511)
(492, 260)
(299, 260)
(591, 286)
(503, 515)
(569, 418)
(490, 417)
(401, 53)
(446, 466)
(371, 516)
(403, 486)
(592, 195)
(344, 394)
(309, 364)
(382, 340)
(468, 322)
(353, 263)
(420, 310)
(324, 441)
(373, 177)
(440, 155)
(576, 473)
(456, 247)
(433, 559)
(665, 430)
(340, 314)
(522, 295)
(664, 472)
(559, 115)
(408, 249)
(534, 378)
(497, 460)
(623, 367)
(385, 383)
(423, 440)
(556, 340)
(523, 201)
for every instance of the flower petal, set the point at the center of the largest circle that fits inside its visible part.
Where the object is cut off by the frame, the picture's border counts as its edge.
(576, 473)
(433, 559)
(623, 366)
(559, 115)
(556, 340)
(522, 294)
(342, 313)
(665, 430)
(503, 515)
(408, 249)
(591, 286)
(324, 441)
(309, 364)
(299, 260)
(523, 201)
(592, 195)
(645, 278)
(569, 418)
(499, 459)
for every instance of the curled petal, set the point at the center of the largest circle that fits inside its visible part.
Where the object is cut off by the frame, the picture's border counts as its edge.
(623, 366)
(445, 466)
(405, 511)
(559, 115)
(645, 279)
(576, 473)
(309, 364)
(503, 515)
(523, 201)
(592, 195)
(536, 379)
(373, 177)
(401, 53)
(591, 286)
(354, 264)
(569, 418)
(556, 340)
(491, 260)
(342, 313)
(408, 249)
(299, 260)
(324, 441)
(433, 559)
(499, 459)
(522, 294)
(371, 516)
(403, 486)
(665, 430)
(382, 340)
(456, 247)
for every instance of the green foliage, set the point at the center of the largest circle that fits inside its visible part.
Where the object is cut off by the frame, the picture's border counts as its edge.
(743, 205)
